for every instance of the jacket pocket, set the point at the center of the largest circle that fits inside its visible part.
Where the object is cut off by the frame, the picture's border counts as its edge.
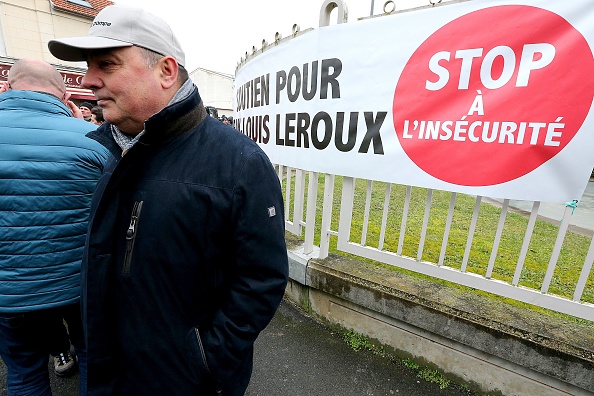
(197, 359)
(131, 236)
(201, 350)
(12, 321)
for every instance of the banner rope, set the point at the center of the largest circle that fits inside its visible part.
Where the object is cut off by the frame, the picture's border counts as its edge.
(573, 204)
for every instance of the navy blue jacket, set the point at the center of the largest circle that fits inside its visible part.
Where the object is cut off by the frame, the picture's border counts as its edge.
(186, 259)
(48, 172)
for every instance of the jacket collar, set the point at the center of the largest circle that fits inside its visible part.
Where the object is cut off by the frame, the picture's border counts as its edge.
(33, 100)
(174, 120)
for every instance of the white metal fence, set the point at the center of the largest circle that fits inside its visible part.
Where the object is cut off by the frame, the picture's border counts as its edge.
(562, 284)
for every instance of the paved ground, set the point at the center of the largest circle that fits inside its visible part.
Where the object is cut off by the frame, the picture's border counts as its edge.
(296, 356)
(582, 219)
(583, 215)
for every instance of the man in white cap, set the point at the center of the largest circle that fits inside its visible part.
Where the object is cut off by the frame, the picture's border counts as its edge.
(185, 260)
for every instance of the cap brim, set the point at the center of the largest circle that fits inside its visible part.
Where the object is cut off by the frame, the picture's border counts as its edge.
(75, 48)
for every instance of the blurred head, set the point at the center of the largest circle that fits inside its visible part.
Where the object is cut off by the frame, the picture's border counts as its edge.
(37, 75)
(85, 109)
(135, 64)
(97, 115)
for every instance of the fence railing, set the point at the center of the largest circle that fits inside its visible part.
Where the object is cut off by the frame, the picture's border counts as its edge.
(471, 241)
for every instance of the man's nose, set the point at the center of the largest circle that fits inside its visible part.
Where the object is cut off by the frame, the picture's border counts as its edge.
(89, 80)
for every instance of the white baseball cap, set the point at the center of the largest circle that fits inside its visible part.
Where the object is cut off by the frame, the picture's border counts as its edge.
(121, 26)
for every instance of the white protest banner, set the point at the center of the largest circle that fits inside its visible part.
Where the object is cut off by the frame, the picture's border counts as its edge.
(485, 97)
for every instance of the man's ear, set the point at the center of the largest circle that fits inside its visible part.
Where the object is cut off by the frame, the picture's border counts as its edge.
(169, 69)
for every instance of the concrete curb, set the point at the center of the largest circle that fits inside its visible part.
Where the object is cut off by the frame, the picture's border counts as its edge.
(493, 346)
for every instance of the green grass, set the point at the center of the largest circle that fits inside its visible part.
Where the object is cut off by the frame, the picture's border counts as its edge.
(359, 342)
(567, 271)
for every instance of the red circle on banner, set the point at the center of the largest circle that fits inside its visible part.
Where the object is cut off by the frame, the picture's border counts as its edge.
(493, 95)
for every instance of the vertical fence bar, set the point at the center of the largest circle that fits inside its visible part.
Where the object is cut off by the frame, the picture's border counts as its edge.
(346, 212)
(404, 219)
(298, 201)
(385, 216)
(425, 223)
(526, 243)
(299, 195)
(546, 283)
(579, 290)
(446, 232)
(280, 173)
(327, 215)
(310, 217)
(477, 206)
(288, 195)
(366, 215)
(497, 240)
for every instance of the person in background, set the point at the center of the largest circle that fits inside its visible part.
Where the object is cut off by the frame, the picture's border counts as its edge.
(85, 109)
(48, 173)
(97, 115)
(65, 364)
(225, 120)
(186, 261)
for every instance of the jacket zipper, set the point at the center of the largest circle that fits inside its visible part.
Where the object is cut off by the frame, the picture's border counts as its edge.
(202, 353)
(131, 236)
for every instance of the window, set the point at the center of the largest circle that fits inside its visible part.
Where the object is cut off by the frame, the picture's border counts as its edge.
(83, 3)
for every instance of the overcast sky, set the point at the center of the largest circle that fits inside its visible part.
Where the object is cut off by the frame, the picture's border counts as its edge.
(215, 34)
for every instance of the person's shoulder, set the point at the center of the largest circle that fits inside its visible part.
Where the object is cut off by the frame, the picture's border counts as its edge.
(78, 132)
(226, 133)
(240, 142)
(77, 125)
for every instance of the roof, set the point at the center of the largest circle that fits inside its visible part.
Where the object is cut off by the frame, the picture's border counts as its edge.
(74, 8)
(221, 74)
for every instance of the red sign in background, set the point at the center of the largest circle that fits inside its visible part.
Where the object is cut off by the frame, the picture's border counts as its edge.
(482, 75)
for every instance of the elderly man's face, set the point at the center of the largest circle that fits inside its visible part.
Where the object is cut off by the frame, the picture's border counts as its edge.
(126, 88)
(86, 112)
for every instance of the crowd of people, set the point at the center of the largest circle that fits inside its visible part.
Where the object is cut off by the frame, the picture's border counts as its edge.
(154, 232)
(227, 120)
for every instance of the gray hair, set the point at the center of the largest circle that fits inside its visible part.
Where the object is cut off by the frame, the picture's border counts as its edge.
(151, 58)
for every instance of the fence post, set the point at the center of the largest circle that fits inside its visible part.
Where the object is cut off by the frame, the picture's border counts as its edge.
(327, 215)
(310, 217)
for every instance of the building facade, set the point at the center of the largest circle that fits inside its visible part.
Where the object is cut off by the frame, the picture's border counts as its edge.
(216, 89)
(26, 27)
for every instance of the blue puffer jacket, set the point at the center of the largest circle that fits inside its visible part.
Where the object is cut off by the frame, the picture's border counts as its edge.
(48, 172)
